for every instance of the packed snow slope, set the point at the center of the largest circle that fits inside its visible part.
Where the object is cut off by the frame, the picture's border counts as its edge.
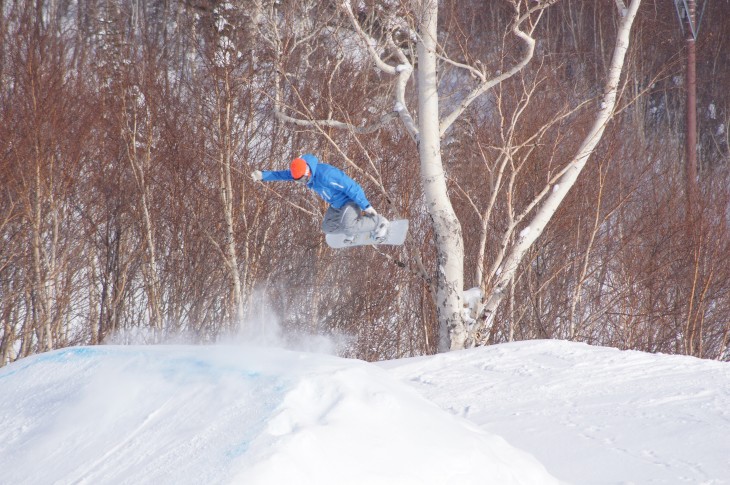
(528, 412)
(591, 415)
(244, 415)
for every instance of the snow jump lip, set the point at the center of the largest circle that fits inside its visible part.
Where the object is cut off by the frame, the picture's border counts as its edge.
(195, 414)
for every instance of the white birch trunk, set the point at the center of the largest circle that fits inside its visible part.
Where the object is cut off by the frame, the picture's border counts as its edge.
(41, 314)
(226, 159)
(569, 175)
(150, 270)
(154, 294)
(447, 229)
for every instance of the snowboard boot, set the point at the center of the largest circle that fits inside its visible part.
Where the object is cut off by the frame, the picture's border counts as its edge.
(380, 233)
(349, 239)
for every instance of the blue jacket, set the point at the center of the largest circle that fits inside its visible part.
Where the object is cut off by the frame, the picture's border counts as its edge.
(331, 183)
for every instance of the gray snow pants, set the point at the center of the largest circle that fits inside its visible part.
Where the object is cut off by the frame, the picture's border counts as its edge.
(347, 220)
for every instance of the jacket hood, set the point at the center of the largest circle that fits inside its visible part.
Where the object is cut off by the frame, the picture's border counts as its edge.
(312, 162)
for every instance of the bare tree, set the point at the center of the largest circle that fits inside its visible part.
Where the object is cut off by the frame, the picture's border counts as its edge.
(127, 133)
(554, 193)
(405, 42)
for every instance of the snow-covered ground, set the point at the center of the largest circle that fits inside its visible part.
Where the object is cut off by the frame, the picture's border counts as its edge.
(591, 415)
(532, 412)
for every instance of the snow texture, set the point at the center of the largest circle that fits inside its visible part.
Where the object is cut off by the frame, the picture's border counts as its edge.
(473, 296)
(591, 415)
(262, 415)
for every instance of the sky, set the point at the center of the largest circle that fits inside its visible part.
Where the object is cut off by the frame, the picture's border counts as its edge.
(535, 412)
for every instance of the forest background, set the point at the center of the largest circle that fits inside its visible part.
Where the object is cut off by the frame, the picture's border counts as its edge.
(128, 130)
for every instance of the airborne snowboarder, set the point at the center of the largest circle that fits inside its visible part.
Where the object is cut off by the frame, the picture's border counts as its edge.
(349, 211)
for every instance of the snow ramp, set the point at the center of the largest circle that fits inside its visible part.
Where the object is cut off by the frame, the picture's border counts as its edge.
(234, 414)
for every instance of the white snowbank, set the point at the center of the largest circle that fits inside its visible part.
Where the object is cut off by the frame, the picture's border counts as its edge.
(253, 415)
(183, 414)
(591, 415)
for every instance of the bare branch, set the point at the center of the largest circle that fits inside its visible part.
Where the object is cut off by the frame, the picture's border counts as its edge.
(487, 84)
(403, 71)
(569, 174)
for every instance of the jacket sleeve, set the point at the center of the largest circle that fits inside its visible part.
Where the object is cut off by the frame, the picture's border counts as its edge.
(276, 175)
(353, 190)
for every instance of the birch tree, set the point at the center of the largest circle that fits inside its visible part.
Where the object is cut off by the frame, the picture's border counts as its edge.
(227, 110)
(548, 201)
(403, 44)
(139, 137)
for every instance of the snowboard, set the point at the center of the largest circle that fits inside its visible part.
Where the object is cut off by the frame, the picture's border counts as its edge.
(396, 236)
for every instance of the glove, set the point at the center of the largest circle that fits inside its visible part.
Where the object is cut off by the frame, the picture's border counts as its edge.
(370, 212)
(257, 176)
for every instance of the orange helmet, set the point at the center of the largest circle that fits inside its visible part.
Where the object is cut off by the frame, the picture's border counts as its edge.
(299, 168)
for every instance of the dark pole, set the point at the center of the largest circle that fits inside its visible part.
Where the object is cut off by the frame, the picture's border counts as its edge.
(691, 139)
(691, 169)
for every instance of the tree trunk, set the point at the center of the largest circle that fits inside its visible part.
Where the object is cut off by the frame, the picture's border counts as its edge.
(447, 229)
(226, 159)
(150, 270)
(569, 175)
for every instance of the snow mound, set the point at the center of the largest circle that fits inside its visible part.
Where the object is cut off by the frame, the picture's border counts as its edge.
(591, 415)
(183, 414)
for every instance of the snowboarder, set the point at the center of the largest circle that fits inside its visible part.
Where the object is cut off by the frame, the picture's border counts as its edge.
(349, 211)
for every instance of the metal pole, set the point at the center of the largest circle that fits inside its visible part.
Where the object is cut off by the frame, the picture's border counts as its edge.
(692, 215)
(691, 138)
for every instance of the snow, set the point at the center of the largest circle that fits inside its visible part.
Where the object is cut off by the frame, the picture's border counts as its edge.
(591, 415)
(535, 412)
(473, 296)
(472, 299)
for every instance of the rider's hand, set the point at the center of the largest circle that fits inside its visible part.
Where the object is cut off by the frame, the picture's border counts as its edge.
(257, 176)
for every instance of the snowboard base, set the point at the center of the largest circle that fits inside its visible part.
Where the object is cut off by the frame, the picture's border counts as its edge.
(396, 236)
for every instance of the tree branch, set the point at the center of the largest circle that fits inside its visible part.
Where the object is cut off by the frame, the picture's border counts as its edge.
(403, 71)
(570, 173)
(487, 84)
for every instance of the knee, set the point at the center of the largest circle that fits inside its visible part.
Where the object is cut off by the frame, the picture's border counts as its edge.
(331, 224)
(328, 227)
